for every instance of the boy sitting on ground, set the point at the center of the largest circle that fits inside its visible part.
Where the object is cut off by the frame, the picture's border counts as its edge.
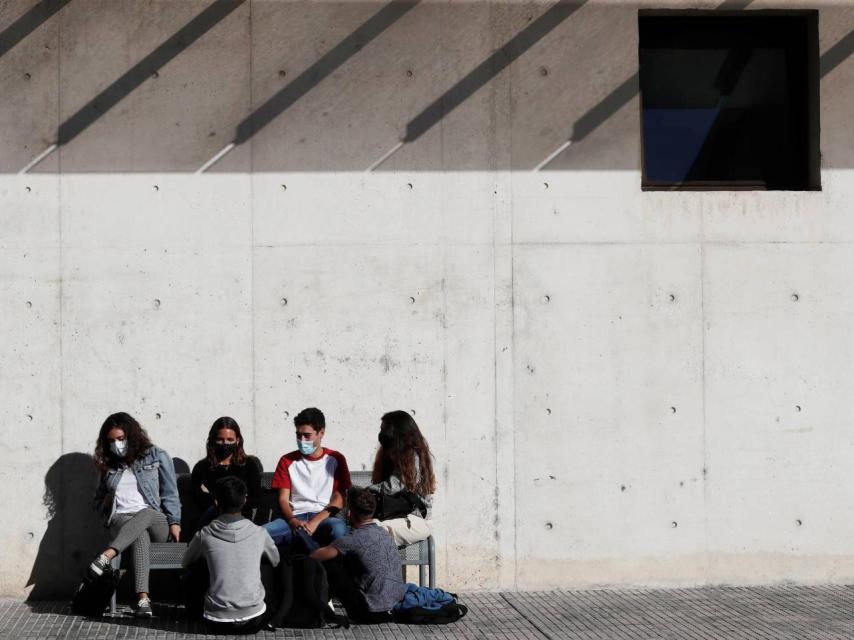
(232, 547)
(380, 593)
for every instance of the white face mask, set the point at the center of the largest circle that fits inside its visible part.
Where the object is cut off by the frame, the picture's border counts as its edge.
(119, 447)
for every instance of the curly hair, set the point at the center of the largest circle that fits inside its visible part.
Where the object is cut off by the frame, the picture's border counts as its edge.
(137, 439)
(239, 457)
(404, 453)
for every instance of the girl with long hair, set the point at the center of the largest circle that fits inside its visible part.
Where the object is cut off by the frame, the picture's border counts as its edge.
(225, 457)
(404, 465)
(137, 496)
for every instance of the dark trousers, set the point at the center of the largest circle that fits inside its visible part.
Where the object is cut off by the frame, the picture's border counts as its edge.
(343, 587)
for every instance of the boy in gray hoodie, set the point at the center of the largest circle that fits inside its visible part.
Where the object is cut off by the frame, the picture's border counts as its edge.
(232, 547)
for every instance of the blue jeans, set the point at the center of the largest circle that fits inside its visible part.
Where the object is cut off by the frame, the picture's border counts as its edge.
(327, 531)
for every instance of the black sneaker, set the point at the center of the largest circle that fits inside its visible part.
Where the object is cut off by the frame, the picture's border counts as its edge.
(143, 609)
(98, 566)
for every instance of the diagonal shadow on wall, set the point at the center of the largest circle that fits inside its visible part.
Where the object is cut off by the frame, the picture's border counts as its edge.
(484, 72)
(315, 74)
(620, 96)
(143, 70)
(837, 54)
(614, 101)
(29, 22)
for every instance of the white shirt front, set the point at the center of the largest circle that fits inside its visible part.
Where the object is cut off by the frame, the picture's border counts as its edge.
(128, 497)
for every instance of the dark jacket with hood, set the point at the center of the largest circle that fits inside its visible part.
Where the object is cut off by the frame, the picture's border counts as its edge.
(232, 547)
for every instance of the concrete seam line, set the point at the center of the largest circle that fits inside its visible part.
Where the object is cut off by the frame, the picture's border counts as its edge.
(524, 615)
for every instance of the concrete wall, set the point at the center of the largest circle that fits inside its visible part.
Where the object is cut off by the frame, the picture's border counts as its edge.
(206, 210)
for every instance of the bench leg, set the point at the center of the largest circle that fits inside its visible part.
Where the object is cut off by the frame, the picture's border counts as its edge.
(431, 556)
(115, 563)
(421, 575)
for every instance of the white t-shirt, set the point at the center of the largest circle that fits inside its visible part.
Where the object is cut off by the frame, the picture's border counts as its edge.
(311, 481)
(128, 497)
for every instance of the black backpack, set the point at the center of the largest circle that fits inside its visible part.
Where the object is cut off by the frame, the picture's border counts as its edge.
(303, 598)
(446, 614)
(397, 505)
(93, 595)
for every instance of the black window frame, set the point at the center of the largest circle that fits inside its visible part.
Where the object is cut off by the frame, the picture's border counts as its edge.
(812, 178)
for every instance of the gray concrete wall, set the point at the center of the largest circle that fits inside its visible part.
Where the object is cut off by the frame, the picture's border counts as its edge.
(206, 210)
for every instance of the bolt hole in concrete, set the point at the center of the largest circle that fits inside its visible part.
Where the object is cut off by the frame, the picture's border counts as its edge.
(31, 535)
(156, 303)
(549, 526)
(622, 487)
(798, 523)
(29, 305)
(672, 298)
(544, 71)
(798, 408)
(155, 75)
(284, 302)
(411, 300)
(409, 186)
(29, 418)
(284, 187)
(545, 185)
(157, 416)
(674, 524)
(409, 73)
(156, 188)
(672, 409)
(28, 189)
(286, 414)
(795, 297)
(27, 76)
(412, 411)
(282, 73)
(548, 412)
(545, 299)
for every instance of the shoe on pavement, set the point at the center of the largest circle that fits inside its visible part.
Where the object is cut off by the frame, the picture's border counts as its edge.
(143, 609)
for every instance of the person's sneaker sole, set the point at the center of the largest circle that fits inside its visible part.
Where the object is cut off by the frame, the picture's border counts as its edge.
(97, 568)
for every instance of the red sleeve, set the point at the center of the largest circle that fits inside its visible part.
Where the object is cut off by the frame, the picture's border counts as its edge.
(281, 478)
(341, 482)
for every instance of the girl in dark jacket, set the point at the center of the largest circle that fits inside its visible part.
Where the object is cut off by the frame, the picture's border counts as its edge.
(226, 457)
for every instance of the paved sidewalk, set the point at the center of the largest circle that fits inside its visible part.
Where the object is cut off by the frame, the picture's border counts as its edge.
(795, 613)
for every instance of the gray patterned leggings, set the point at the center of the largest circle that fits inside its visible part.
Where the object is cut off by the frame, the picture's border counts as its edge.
(138, 530)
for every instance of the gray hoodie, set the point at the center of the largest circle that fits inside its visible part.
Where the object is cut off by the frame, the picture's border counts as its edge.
(232, 547)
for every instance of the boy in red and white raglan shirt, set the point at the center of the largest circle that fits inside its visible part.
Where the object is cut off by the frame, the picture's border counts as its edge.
(312, 482)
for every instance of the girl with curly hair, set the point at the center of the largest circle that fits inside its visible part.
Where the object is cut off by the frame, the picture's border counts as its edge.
(137, 496)
(404, 466)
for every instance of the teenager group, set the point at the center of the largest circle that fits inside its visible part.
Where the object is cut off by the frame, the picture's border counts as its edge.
(137, 495)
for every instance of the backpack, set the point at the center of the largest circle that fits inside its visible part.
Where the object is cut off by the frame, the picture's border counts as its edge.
(93, 595)
(445, 614)
(303, 601)
(397, 505)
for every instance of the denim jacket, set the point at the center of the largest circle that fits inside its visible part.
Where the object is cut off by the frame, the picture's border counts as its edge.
(155, 477)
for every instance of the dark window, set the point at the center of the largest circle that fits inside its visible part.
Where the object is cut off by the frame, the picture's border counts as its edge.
(729, 101)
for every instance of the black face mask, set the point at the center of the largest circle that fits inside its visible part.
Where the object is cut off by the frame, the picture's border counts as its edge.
(222, 451)
(385, 440)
